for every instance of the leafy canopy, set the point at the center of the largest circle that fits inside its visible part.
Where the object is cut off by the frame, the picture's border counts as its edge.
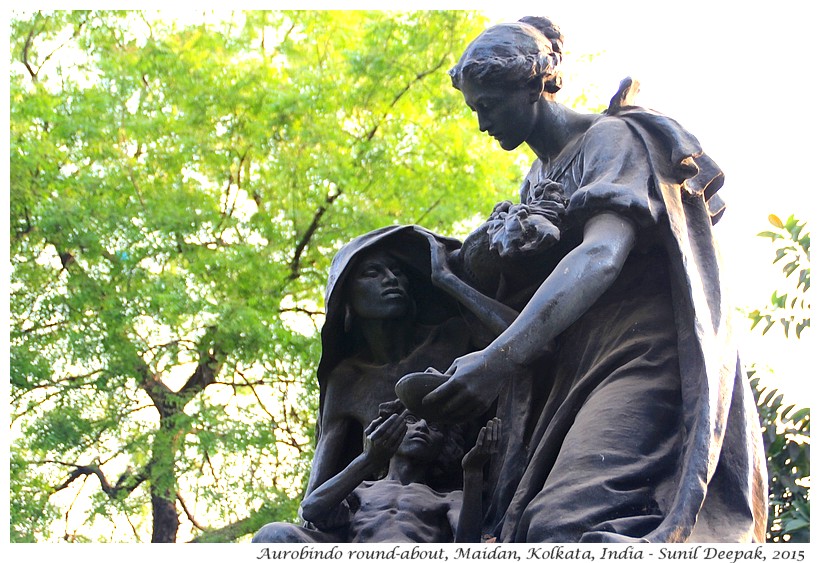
(177, 192)
(786, 427)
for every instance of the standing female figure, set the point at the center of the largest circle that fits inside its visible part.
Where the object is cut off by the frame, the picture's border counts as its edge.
(646, 429)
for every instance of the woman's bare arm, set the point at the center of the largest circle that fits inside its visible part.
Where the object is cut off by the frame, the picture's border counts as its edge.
(495, 316)
(581, 277)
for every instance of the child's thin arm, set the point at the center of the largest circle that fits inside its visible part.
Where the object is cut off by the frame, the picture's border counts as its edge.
(472, 511)
(383, 439)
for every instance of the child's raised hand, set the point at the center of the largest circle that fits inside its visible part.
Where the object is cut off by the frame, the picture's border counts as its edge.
(383, 437)
(486, 445)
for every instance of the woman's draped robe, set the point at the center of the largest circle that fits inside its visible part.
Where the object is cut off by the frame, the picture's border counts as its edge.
(643, 426)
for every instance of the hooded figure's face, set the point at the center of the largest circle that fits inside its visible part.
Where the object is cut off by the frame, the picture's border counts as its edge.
(378, 289)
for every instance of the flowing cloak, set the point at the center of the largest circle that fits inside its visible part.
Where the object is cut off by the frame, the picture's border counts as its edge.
(409, 245)
(715, 486)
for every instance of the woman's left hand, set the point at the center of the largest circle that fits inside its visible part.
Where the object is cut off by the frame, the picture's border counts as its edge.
(475, 381)
(439, 261)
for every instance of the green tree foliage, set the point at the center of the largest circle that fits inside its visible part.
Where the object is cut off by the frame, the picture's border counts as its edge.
(790, 308)
(177, 190)
(786, 427)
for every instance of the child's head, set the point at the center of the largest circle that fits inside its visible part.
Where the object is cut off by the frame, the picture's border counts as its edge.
(424, 440)
(530, 227)
(448, 448)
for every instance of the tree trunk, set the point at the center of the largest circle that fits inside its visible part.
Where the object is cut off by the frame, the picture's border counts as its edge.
(164, 486)
(166, 519)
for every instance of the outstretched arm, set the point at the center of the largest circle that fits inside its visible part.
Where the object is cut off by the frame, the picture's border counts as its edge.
(578, 281)
(472, 512)
(383, 438)
(495, 316)
(329, 452)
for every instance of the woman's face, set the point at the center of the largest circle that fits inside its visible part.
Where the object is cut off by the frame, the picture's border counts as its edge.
(379, 289)
(506, 113)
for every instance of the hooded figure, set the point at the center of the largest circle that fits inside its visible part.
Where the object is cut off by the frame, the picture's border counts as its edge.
(384, 319)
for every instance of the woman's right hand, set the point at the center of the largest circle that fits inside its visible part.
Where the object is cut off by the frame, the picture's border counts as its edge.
(475, 382)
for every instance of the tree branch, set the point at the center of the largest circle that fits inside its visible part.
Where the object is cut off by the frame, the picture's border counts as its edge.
(204, 375)
(24, 56)
(255, 394)
(155, 388)
(46, 326)
(30, 41)
(311, 230)
(302, 310)
(233, 180)
(188, 513)
(427, 211)
(67, 380)
(20, 233)
(168, 402)
(419, 77)
(228, 533)
(111, 491)
(317, 217)
(244, 526)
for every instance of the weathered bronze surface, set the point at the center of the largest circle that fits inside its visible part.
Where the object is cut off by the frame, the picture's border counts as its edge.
(589, 317)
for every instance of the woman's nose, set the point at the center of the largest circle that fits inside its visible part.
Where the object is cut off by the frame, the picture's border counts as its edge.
(483, 123)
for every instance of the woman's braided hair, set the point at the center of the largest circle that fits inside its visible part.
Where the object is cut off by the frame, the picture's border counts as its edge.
(514, 54)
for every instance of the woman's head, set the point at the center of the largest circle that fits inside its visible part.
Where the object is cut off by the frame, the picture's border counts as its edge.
(505, 74)
(428, 305)
(513, 55)
(379, 288)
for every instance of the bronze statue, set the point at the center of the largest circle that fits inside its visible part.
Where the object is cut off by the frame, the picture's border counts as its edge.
(401, 507)
(384, 319)
(589, 316)
(642, 426)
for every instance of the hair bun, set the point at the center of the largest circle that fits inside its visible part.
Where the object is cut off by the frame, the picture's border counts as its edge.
(548, 29)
